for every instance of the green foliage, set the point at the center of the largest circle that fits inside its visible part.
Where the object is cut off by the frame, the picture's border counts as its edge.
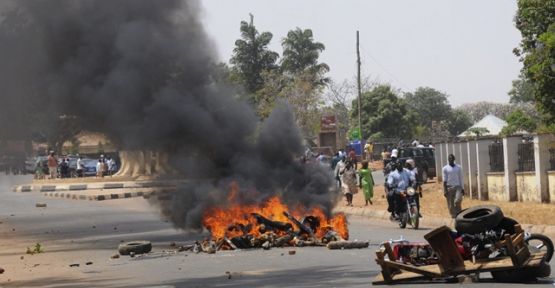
(540, 69)
(517, 121)
(532, 19)
(477, 131)
(384, 112)
(428, 105)
(522, 91)
(300, 56)
(36, 249)
(251, 56)
(535, 20)
(458, 122)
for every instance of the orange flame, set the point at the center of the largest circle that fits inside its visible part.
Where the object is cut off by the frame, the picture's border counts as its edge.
(237, 220)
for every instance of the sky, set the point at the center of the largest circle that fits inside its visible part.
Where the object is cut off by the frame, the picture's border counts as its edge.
(462, 48)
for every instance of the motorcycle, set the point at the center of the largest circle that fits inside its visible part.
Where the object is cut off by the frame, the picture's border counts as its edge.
(409, 213)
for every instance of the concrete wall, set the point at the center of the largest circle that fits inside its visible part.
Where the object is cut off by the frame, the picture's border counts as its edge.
(551, 180)
(472, 169)
(496, 186)
(482, 168)
(526, 187)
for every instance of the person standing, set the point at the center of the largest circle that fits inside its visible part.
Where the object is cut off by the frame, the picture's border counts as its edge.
(340, 166)
(366, 182)
(79, 166)
(353, 157)
(349, 182)
(453, 189)
(52, 165)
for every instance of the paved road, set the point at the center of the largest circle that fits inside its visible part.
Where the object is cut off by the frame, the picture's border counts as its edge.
(81, 231)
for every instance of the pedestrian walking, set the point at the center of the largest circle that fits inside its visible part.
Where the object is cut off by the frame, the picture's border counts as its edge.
(79, 166)
(453, 188)
(349, 182)
(99, 168)
(369, 150)
(366, 182)
(52, 165)
(340, 166)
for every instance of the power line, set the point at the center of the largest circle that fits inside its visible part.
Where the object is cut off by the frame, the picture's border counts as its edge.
(385, 69)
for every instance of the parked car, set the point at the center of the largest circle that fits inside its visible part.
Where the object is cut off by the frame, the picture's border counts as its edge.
(423, 157)
(89, 166)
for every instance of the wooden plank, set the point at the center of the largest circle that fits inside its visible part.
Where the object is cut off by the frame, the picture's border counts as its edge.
(450, 260)
(401, 277)
(427, 270)
(522, 255)
(389, 251)
(386, 273)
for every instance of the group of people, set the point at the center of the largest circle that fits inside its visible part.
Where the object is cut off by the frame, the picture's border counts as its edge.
(398, 178)
(55, 168)
(349, 179)
(105, 166)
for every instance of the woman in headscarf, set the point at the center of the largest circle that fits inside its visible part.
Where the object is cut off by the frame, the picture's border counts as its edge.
(366, 182)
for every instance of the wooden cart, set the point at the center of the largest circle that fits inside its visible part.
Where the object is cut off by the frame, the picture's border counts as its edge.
(451, 262)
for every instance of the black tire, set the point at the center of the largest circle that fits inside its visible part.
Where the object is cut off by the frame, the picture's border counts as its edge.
(137, 247)
(403, 220)
(478, 219)
(507, 224)
(415, 219)
(544, 241)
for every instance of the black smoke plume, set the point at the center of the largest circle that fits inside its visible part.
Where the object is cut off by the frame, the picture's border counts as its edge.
(142, 72)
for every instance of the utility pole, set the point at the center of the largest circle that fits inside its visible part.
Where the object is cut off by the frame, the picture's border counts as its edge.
(359, 91)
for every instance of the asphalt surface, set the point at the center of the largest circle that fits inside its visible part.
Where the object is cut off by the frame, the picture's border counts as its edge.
(88, 231)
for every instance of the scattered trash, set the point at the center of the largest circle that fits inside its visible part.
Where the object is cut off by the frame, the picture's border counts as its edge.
(115, 228)
(131, 254)
(1, 270)
(94, 227)
(292, 252)
(228, 274)
(172, 244)
(21, 257)
(40, 205)
(115, 256)
(89, 263)
(13, 229)
(74, 265)
(36, 265)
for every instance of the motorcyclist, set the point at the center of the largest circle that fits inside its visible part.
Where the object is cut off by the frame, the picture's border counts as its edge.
(410, 166)
(388, 168)
(398, 181)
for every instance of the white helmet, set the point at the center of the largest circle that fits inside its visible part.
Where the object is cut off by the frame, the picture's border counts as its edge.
(395, 153)
(411, 162)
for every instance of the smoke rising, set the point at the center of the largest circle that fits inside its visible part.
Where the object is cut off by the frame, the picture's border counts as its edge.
(142, 72)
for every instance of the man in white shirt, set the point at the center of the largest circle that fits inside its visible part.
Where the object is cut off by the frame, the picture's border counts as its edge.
(453, 186)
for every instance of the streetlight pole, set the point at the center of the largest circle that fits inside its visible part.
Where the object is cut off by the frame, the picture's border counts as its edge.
(359, 90)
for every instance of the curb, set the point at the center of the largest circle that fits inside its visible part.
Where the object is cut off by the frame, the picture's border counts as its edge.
(548, 230)
(92, 186)
(162, 195)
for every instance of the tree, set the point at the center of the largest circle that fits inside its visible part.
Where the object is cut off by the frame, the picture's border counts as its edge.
(251, 56)
(535, 20)
(458, 122)
(428, 105)
(517, 121)
(300, 56)
(384, 114)
(478, 131)
(522, 91)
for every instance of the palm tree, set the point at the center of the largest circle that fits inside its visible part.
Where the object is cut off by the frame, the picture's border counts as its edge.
(300, 56)
(251, 56)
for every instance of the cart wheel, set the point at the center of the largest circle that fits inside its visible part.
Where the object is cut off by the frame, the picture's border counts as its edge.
(403, 220)
(414, 217)
(540, 243)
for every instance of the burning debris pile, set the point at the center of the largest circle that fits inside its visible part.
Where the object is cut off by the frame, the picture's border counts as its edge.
(270, 224)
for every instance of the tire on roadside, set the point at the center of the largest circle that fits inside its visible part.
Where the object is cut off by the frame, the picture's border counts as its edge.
(137, 247)
(478, 219)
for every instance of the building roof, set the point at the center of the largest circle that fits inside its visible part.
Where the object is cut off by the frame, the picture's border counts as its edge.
(490, 122)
